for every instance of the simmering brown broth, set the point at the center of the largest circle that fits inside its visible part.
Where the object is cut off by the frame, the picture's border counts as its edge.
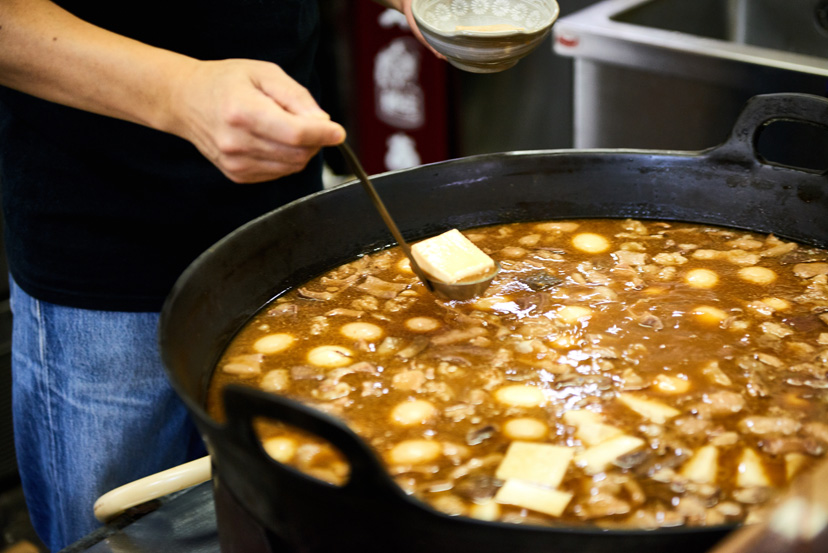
(618, 373)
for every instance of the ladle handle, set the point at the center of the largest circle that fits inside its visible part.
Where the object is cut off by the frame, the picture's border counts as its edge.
(356, 167)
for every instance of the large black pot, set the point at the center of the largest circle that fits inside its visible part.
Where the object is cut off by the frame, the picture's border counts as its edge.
(264, 506)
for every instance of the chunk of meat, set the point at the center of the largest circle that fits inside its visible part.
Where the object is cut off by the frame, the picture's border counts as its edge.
(540, 280)
(458, 335)
(283, 308)
(343, 312)
(629, 258)
(765, 426)
(306, 372)
(721, 404)
(477, 436)
(817, 430)
(478, 488)
(692, 426)
(309, 294)
(791, 444)
(810, 270)
(409, 381)
(380, 288)
(414, 348)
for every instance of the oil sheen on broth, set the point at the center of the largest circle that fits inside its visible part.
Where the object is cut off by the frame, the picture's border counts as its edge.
(617, 373)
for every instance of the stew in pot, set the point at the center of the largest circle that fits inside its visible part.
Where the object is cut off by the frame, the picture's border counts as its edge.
(618, 373)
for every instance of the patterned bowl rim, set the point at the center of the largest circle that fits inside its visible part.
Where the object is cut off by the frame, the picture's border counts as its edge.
(555, 11)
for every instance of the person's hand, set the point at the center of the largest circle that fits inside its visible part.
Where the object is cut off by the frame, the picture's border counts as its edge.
(404, 6)
(251, 119)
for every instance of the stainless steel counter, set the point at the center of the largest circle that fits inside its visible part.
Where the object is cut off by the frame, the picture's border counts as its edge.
(672, 74)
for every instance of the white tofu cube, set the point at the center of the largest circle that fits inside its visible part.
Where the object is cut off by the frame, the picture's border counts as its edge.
(750, 472)
(794, 462)
(591, 429)
(536, 498)
(702, 466)
(598, 457)
(596, 433)
(451, 257)
(650, 409)
(577, 417)
(543, 464)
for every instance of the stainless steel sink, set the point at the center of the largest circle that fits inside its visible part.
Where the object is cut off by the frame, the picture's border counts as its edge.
(786, 26)
(674, 74)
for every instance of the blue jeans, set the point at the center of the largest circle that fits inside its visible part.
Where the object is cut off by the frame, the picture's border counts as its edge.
(92, 410)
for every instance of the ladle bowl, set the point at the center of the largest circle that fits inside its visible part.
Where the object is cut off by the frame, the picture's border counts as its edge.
(452, 291)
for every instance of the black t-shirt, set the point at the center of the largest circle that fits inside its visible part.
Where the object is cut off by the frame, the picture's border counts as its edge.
(105, 214)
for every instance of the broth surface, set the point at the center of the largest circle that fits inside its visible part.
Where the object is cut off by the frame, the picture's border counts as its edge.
(617, 373)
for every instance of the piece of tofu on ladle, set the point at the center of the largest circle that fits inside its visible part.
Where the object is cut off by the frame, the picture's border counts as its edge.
(452, 258)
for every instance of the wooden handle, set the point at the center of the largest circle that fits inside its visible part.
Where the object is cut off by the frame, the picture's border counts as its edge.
(115, 502)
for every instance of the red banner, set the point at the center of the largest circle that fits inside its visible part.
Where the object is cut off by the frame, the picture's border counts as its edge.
(401, 93)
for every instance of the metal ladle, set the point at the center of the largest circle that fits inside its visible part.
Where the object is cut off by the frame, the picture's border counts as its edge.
(455, 291)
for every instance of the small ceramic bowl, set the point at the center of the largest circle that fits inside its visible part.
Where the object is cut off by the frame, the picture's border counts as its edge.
(484, 36)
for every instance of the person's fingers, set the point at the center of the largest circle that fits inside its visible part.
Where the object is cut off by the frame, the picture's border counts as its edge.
(415, 29)
(287, 113)
(248, 147)
(256, 156)
(245, 155)
(289, 94)
(260, 172)
(260, 125)
(252, 120)
(247, 168)
(300, 131)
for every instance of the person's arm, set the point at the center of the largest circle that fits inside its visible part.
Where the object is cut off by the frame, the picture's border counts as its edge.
(248, 117)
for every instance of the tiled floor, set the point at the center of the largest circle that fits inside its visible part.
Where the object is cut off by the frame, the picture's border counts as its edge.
(17, 536)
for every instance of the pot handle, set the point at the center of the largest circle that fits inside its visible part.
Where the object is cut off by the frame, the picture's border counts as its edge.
(765, 109)
(244, 404)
